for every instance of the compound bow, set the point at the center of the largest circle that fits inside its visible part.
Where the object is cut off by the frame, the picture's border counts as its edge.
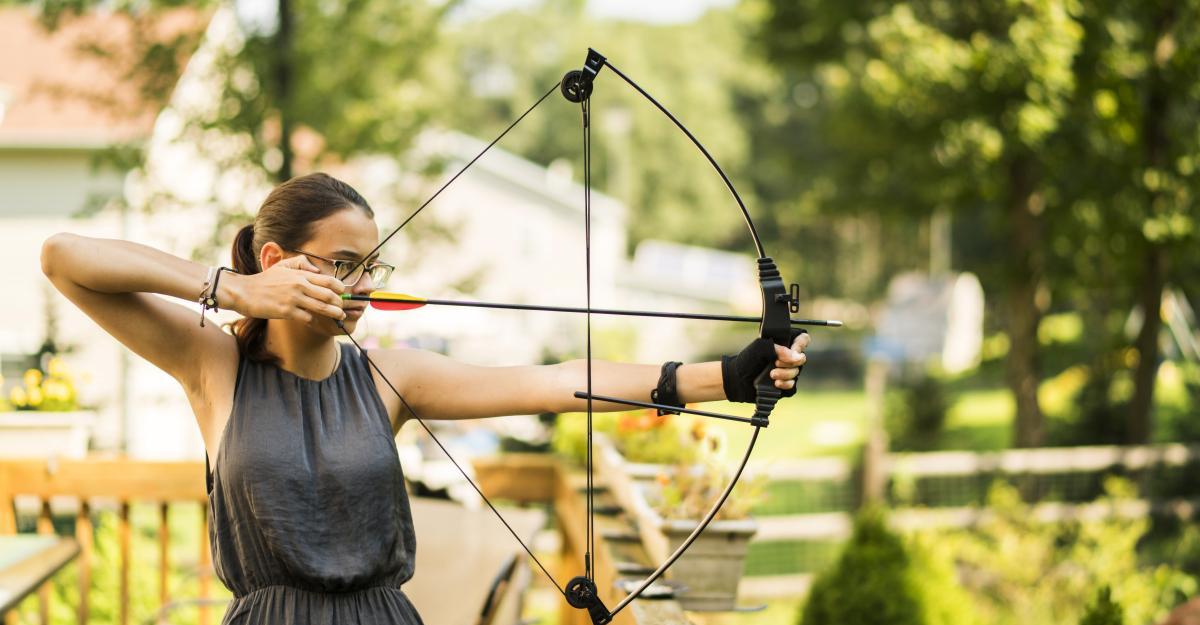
(778, 303)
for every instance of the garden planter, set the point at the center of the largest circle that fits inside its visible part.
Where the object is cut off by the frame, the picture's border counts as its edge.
(709, 571)
(34, 434)
(711, 568)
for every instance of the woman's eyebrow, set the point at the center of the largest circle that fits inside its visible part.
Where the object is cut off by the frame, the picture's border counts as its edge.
(352, 255)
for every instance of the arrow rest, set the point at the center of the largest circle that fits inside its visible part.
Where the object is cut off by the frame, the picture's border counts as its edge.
(581, 593)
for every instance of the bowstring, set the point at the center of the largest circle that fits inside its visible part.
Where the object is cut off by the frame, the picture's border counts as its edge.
(587, 246)
(460, 172)
(399, 395)
(451, 458)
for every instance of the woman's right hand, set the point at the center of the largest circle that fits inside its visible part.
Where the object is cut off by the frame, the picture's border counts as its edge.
(292, 288)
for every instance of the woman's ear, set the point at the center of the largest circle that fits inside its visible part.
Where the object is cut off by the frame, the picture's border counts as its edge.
(270, 254)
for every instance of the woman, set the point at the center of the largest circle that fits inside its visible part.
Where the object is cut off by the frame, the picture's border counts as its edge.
(310, 519)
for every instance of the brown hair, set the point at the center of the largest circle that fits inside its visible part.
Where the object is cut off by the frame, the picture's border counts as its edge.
(286, 217)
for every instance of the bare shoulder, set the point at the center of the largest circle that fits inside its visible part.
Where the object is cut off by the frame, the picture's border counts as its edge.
(400, 372)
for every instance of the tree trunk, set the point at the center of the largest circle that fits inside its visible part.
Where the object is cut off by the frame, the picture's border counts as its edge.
(1154, 276)
(1022, 367)
(1141, 409)
(283, 77)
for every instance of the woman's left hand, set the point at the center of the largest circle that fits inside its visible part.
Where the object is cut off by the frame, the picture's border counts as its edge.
(788, 362)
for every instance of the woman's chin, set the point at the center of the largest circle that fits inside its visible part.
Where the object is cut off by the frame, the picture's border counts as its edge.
(349, 323)
(329, 326)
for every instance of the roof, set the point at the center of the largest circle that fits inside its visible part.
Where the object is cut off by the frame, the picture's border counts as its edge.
(552, 183)
(56, 94)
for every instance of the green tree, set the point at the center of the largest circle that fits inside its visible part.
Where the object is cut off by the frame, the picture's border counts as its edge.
(940, 105)
(1127, 171)
(344, 77)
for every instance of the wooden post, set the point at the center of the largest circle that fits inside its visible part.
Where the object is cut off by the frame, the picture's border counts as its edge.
(8, 525)
(45, 525)
(8, 513)
(874, 468)
(83, 535)
(123, 532)
(205, 563)
(164, 563)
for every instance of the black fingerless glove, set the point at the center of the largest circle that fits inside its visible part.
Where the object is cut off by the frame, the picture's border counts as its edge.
(738, 372)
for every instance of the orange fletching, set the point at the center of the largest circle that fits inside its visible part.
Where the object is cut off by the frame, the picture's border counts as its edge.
(382, 300)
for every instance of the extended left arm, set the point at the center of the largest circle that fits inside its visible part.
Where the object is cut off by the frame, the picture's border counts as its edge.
(438, 387)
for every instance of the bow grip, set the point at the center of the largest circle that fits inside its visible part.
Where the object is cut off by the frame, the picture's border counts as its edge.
(776, 325)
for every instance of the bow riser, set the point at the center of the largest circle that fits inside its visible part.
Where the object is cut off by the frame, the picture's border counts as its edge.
(777, 303)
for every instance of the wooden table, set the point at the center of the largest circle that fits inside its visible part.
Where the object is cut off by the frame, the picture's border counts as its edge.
(27, 561)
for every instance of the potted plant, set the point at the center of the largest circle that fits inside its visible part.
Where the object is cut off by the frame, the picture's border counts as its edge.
(41, 417)
(671, 507)
(667, 501)
(638, 447)
(666, 472)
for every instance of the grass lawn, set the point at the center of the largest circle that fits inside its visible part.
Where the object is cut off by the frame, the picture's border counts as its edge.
(832, 423)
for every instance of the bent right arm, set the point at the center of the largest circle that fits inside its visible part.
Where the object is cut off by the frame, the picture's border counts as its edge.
(114, 283)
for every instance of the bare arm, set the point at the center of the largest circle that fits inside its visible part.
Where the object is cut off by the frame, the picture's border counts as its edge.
(114, 282)
(438, 387)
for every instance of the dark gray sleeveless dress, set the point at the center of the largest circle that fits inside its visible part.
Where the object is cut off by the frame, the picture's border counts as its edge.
(309, 519)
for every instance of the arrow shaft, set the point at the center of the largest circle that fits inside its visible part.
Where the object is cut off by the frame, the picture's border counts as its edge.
(594, 311)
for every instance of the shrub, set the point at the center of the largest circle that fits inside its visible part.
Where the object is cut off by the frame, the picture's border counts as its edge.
(1022, 570)
(882, 580)
(1104, 611)
(915, 412)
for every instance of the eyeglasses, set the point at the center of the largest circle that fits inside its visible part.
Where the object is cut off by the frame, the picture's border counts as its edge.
(379, 272)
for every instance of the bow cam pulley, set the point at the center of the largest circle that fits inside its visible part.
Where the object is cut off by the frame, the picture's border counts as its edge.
(577, 83)
(581, 593)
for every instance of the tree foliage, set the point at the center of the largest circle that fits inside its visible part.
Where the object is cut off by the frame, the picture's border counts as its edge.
(1061, 135)
(700, 71)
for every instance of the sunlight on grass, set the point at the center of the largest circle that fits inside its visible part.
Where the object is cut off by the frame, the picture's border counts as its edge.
(816, 423)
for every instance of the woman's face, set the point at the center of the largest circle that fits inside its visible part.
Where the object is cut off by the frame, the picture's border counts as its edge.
(345, 235)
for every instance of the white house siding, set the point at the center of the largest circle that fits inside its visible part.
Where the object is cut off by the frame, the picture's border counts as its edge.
(93, 358)
(519, 231)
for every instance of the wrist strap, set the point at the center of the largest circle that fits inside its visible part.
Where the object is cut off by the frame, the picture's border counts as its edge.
(666, 392)
(208, 299)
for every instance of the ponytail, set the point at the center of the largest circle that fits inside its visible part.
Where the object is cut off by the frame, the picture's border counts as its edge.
(250, 333)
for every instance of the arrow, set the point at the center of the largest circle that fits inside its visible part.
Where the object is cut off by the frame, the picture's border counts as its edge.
(383, 300)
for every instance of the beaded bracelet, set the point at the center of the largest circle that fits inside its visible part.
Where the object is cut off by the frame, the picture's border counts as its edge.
(208, 298)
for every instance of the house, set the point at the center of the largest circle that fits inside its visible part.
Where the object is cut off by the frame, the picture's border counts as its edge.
(62, 110)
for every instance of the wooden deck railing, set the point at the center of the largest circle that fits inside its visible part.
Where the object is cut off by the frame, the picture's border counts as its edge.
(519, 478)
(126, 481)
(538, 478)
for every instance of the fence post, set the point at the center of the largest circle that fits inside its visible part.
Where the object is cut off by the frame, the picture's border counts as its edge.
(874, 466)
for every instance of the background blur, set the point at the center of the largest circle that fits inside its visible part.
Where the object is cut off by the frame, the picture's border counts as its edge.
(998, 198)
